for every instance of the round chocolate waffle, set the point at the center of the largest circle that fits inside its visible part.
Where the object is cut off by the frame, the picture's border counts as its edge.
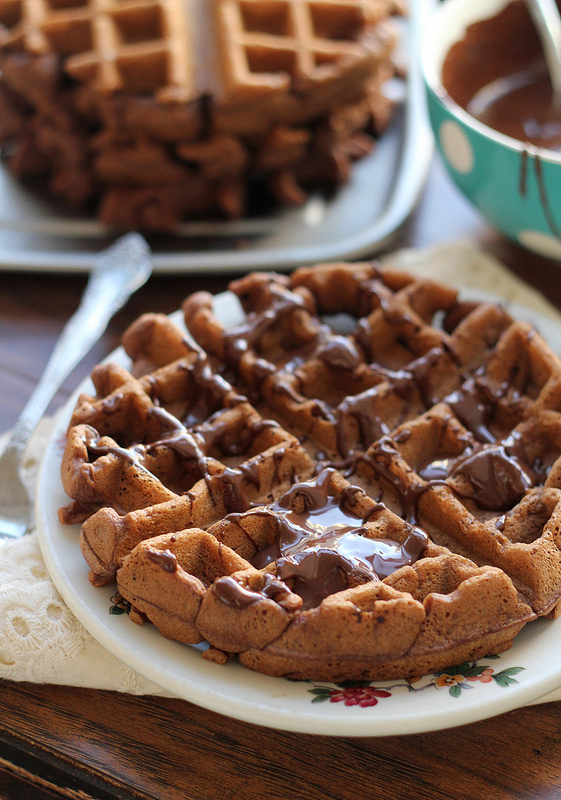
(359, 481)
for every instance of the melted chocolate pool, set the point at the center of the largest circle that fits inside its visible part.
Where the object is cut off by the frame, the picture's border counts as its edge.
(320, 543)
(497, 73)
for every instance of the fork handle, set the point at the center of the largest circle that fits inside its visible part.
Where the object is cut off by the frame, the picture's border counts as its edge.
(106, 291)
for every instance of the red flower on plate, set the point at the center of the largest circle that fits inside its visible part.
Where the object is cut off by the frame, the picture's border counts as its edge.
(362, 696)
(485, 676)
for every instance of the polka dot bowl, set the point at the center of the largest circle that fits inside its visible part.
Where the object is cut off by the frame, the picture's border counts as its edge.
(515, 186)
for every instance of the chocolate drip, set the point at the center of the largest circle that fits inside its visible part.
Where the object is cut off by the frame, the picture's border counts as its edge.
(498, 481)
(339, 352)
(209, 396)
(230, 485)
(262, 369)
(323, 567)
(132, 455)
(421, 370)
(296, 356)
(363, 335)
(474, 404)
(319, 408)
(163, 558)
(187, 447)
(233, 593)
(211, 392)
(500, 523)
(370, 425)
(218, 433)
(247, 335)
(498, 474)
(435, 471)
(393, 313)
(380, 458)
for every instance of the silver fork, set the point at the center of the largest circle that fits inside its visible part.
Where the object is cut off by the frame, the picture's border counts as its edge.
(117, 273)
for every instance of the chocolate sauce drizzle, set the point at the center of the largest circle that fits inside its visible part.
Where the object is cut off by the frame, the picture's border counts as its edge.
(163, 558)
(357, 420)
(498, 474)
(235, 594)
(320, 546)
(194, 444)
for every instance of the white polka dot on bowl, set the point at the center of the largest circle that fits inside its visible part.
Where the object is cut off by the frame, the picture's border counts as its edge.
(542, 243)
(456, 147)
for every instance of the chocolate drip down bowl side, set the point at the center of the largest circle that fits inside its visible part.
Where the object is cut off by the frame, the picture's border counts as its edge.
(490, 108)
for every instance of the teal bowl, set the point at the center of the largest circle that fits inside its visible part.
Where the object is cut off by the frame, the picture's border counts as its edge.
(515, 186)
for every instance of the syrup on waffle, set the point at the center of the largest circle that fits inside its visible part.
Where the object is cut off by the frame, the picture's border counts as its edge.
(361, 480)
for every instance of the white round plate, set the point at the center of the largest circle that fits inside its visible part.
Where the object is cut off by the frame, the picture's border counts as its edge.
(466, 693)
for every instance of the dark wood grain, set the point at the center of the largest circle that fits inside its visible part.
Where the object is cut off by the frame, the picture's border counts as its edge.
(60, 742)
(125, 747)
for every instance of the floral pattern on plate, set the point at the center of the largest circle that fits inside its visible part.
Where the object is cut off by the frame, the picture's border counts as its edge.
(456, 679)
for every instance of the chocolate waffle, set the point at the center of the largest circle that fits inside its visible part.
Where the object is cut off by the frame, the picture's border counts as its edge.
(361, 480)
(181, 109)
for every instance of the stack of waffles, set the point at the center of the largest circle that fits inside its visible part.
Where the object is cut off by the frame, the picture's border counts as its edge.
(360, 480)
(157, 111)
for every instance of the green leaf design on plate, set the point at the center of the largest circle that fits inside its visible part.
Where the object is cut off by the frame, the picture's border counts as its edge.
(474, 671)
(353, 684)
(511, 671)
(504, 680)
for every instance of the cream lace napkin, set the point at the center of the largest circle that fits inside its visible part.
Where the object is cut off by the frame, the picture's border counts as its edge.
(40, 639)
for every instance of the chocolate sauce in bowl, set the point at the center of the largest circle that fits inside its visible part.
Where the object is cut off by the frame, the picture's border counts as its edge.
(519, 106)
(497, 73)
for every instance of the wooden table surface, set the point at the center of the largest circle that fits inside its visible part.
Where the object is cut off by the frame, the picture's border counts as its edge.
(77, 743)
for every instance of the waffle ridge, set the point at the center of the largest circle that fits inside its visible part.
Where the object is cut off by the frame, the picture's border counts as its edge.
(274, 45)
(360, 480)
